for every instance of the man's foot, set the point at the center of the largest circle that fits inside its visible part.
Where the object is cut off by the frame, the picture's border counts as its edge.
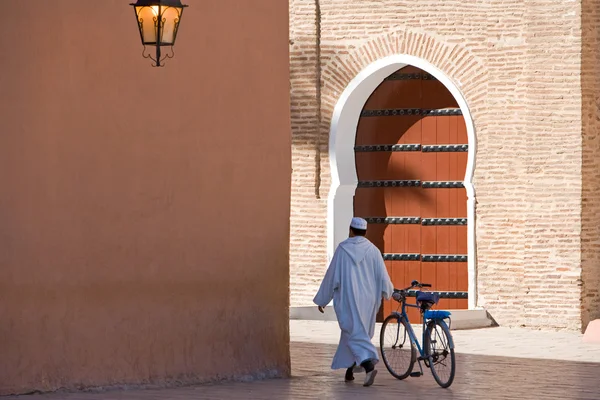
(370, 378)
(349, 375)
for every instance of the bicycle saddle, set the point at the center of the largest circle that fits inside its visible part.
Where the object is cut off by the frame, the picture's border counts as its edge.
(428, 297)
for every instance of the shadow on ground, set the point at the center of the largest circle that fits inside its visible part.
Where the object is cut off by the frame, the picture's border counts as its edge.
(477, 377)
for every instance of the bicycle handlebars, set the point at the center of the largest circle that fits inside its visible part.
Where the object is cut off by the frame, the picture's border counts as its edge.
(413, 284)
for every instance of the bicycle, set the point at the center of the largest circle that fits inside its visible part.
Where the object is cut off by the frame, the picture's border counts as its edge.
(438, 346)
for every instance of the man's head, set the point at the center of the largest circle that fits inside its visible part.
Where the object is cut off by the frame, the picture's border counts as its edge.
(358, 227)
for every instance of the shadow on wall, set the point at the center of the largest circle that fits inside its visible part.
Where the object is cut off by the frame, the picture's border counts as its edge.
(590, 118)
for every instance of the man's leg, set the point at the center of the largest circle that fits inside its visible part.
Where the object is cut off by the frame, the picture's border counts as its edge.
(368, 366)
(350, 373)
(371, 372)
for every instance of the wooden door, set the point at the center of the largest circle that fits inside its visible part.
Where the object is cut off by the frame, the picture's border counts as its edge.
(411, 157)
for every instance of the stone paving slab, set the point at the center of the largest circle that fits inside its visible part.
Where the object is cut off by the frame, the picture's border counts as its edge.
(504, 342)
(527, 371)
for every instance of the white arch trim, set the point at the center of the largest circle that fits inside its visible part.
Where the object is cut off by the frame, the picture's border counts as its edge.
(342, 135)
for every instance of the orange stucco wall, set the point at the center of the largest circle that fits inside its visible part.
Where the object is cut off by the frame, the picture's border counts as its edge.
(144, 212)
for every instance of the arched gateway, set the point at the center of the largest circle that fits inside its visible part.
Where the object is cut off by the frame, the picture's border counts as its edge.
(411, 156)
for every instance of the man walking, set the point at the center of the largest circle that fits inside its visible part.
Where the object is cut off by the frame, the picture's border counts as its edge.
(356, 280)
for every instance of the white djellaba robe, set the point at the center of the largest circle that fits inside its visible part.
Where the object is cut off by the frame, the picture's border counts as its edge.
(356, 280)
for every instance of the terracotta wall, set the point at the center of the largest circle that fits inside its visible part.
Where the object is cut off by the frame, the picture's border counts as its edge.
(144, 212)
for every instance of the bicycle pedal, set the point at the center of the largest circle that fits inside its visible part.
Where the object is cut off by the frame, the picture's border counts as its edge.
(415, 374)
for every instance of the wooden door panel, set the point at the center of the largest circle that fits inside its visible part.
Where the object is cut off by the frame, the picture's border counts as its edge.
(442, 280)
(396, 269)
(462, 277)
(372, 130)
(399, 235)
(406, 239)
(400, 130)
(458, 131)
(428, 131)
(429, 273)
(374, 202)
(385, 130)
(436, 96)
(455, 173)
(374, 166)
(380, 97)
(405, 165)
(396, 167)
(413, 232)
(462, 137)
(404, 273)
(461, 161)
(379, 237)
(428, 240)
(393, 94)
(462, 202)
(370, 201)
(452, 284)
(442, 130)
(461, 240)
(388, 305)
(413, 128)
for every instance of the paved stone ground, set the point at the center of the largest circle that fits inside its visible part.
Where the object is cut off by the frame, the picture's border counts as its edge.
(495, 363)
(503, 342)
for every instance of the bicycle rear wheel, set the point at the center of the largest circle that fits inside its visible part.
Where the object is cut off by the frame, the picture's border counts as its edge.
(439, 353)
(397, 351)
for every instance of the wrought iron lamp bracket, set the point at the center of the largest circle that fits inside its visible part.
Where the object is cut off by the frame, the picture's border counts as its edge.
(158, 59)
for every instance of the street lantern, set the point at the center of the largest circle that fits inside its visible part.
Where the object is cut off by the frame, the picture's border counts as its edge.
(158, 21)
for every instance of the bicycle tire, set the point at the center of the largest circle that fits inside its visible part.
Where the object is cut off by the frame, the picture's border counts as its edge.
(386, 354)
(433, 354)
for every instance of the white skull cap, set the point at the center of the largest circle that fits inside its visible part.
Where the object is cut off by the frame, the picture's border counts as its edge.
(358, 223)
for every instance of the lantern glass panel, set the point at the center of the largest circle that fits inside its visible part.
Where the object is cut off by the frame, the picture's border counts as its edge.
(170, 17)
(148, 21)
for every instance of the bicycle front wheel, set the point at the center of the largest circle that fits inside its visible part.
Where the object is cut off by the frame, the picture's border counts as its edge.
(397, 350)
(439, 353)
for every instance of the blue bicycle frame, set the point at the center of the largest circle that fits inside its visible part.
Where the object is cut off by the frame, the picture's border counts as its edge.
(438, 316)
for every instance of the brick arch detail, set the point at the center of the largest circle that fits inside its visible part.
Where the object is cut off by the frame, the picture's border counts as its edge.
(348, 81)
(465, 69)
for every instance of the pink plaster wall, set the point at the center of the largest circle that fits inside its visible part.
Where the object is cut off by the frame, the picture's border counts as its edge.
(144, 215)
